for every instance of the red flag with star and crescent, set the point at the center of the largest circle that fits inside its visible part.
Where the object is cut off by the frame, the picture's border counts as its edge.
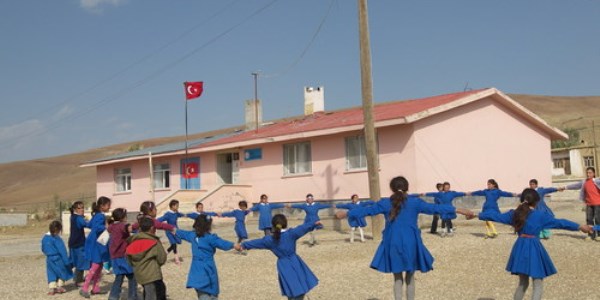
(190, 170)
(193, 90)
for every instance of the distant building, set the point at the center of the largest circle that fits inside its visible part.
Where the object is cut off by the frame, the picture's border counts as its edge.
(464, 138)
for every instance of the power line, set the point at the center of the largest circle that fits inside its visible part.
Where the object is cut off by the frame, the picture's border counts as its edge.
(135, 63)
(130, 88)
(312, 40)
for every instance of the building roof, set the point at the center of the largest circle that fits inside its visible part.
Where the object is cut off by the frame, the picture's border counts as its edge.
(385, 114)
(325, 123)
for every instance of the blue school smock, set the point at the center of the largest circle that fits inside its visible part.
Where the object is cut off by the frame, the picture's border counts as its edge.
(264, 210)
(203, 274)
(401, 248)
(491, 198)
(355, 222)
(596, 227)
(94, 251)
(58, 265)
(446, 198)
(240, 218)
(312, 212)
(295, 278)
(542, 206)
(528, 256)
(77, 243)
(195, 214)
(171, 218)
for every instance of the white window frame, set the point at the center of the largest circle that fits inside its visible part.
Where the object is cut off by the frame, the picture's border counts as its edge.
(161, 176)
(588, 161)
(122, 180)
(297, 159)
(351, 142)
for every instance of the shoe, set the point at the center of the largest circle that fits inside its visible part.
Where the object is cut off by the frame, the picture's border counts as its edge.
(450, 234)
(97, 292)
(588, 238)
(51, 292)
(597, 239)
(84, 294)
(60, 290)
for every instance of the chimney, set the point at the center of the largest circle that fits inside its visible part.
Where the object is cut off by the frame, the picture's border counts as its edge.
(253, 112)
(314, 101)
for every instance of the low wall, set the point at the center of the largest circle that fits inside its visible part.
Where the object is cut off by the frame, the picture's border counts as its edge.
(13, 220)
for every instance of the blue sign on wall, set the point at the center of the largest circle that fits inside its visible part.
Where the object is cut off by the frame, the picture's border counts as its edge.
(252, 154)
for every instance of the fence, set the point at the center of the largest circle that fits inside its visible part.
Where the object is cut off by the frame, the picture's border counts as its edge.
(47, 210)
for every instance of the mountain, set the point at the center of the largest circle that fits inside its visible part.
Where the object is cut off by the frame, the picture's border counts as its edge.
(40, 183)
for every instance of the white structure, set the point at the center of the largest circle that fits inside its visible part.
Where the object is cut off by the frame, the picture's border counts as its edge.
(314, 100)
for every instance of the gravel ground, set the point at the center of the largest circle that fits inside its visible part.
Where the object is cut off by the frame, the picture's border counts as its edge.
(467, 266)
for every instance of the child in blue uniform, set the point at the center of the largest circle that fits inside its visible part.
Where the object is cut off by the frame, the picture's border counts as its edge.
(58, 265)
(492, 194)
(295, 278)
(312, 214)
(436, 217)
(240, 218)
(200, 211)
(401, 249)
(528, 257)
(354, 223)
(95, 252)
(171, 217)
(203, 276)
(77, 242)
(265, 208)
(533, 183)
(446, 196)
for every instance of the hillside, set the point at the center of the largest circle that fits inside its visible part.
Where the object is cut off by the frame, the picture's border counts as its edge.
(36, 183)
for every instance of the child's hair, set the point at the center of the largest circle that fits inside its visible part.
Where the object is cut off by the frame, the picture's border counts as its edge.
(529, 197)
(243, 204)
(353, 195)
(55, 227)
(199, 204)
(99, 203)
(263, 196)
(309, 195)
(591, 169)
(75, 205)
(446, 183)
(146, 207)
(534, 181)
(146, 224)
(399, 187)
(493, 182)
(173, 203)
(279, 222)
(202, 225)
(119, 215)
(438, 185)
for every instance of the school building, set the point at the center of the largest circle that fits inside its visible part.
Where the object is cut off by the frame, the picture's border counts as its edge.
(464, 138)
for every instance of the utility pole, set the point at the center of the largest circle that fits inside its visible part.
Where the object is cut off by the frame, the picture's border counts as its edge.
(367, 104)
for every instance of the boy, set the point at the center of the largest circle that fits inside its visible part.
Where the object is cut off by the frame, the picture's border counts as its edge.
(240, 218)
(171, 217)
(146, 254)
(200, 211)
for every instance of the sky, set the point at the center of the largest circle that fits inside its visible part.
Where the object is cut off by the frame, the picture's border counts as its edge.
(81, 74)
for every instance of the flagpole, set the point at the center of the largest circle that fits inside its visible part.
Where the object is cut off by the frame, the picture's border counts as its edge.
(186, 143)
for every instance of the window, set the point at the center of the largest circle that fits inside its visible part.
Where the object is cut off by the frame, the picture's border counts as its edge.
(123, 179)
(296, 158)
(356, 152)
(588, 161)
(559, 163)
(161, 176)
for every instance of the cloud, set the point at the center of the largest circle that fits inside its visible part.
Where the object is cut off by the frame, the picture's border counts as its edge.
(64, 112)
(96, 6)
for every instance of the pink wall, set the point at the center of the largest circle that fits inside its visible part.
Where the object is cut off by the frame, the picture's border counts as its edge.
(482, 140)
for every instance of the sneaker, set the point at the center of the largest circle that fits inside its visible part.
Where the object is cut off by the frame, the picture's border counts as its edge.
(588, 238)
(60, 290)
(51, 292)
(84, 294)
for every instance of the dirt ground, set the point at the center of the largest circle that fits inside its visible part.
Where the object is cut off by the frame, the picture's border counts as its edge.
(467, 266)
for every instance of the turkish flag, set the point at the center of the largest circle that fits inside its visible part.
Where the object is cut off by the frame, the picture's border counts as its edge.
(193, 89)
(190, 170)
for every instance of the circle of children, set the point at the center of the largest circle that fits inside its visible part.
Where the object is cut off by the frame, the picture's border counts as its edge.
(136, 253)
